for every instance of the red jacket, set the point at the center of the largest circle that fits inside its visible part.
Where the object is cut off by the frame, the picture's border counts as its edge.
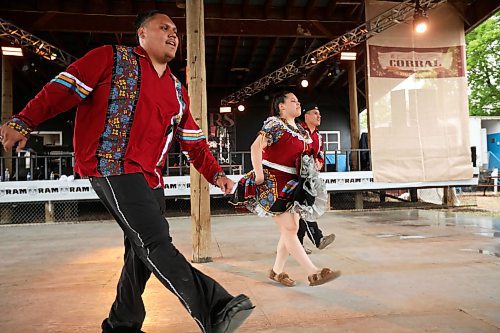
(126, 122)
(317, 144)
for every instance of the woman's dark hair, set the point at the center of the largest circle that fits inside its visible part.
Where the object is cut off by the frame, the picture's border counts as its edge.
(279, 97)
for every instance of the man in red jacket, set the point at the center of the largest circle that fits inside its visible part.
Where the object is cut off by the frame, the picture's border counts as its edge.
(130, 109)
(312, 120)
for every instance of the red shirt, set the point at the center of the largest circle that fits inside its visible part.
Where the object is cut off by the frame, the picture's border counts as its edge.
(87, 84)
(285, 144)
(317, 144)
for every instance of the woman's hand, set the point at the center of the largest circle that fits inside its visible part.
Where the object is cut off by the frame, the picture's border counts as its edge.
(259, 179)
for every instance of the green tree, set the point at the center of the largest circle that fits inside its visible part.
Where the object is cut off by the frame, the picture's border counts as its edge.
(483, 60)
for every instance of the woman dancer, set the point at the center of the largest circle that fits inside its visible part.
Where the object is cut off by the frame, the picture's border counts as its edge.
(284, 184)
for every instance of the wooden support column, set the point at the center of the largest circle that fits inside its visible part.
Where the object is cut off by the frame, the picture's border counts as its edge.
(49, 211)
(413, 195)
(354, 121)
(200, 196)
(449, 196)
(6, 105)
(353, 114)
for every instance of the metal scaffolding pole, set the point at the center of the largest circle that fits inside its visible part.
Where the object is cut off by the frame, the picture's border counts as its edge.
(21, 38)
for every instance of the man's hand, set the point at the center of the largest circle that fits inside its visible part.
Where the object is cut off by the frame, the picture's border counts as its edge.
(9, 137)
(225, 184)
(319, 165)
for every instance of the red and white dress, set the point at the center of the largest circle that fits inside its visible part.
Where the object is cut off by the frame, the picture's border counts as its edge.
(284, 167)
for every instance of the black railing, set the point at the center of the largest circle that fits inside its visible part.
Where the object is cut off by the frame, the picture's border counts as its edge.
(45, 167)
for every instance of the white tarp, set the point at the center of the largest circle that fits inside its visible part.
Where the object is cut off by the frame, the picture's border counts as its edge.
(418, 111)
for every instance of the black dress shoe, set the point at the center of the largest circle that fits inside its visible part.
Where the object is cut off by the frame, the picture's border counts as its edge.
(106, 328)
(233, 315)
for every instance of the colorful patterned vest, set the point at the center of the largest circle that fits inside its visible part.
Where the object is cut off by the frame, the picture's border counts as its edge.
(122, 102)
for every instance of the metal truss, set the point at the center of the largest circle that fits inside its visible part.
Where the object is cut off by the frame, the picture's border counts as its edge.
(403, 12)
(21, 38)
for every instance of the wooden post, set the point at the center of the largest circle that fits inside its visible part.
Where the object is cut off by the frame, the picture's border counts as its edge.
(449, 196)
(353, 114)
(413, 195)
(200, 196)
(6, 106)
(49, 211)
(354, 120)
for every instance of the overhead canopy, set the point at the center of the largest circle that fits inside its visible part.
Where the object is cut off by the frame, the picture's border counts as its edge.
(246, 39)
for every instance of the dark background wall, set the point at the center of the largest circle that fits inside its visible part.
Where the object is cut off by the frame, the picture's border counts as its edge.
(334, 107)
(334, 117)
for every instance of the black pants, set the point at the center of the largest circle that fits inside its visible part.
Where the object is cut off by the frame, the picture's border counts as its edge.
(148, 248)
(311, 229)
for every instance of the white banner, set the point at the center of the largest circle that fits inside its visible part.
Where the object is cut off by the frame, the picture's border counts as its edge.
(417, 104)
(178, 186)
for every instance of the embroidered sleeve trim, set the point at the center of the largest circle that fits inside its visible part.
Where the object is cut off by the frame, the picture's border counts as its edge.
(20, 126)
(190, 135)
(218, 175)
(70, 81)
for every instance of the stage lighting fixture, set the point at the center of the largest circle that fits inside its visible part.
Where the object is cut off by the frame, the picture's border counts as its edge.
(225, 109)
(348, 55)
(420, 19)
(12, 51)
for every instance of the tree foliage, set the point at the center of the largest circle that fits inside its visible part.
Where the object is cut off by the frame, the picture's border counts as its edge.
(483, 61)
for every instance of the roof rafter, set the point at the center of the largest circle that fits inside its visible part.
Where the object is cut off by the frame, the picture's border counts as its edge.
(400, 13)
(26, 40)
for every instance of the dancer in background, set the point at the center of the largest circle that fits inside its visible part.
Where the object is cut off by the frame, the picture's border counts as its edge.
(311, 121)
(283, 184)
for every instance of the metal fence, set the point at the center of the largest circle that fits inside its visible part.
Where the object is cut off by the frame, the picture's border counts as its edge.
(92, 210)
(33, 167)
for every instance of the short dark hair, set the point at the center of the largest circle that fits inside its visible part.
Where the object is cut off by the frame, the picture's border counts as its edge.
(279, 97)
(143, 17)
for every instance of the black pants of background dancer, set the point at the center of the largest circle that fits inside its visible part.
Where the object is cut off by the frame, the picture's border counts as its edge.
(311, 229)
(148, 249)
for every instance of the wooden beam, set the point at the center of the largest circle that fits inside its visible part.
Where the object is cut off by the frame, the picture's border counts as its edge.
(216, 59)
(235, 51)
(309, 8)
(267, 8)
(353, 112)
(251, 56)
(330, 10)
(478, 12)
(292, 10)
(269, 56)
(324, 30)
(286, 55)
(245, 8)
(216, 26)
(200, 196)
(118, 39)
(7, 106)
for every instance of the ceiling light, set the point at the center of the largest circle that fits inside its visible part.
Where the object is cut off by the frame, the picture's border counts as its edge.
(304, 83)
(241, 107)
(225, 109)
(12, 51)
(348, 55)
(420, 19)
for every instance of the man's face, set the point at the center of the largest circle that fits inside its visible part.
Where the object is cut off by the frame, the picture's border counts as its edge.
(313, 118)
(158, 36)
